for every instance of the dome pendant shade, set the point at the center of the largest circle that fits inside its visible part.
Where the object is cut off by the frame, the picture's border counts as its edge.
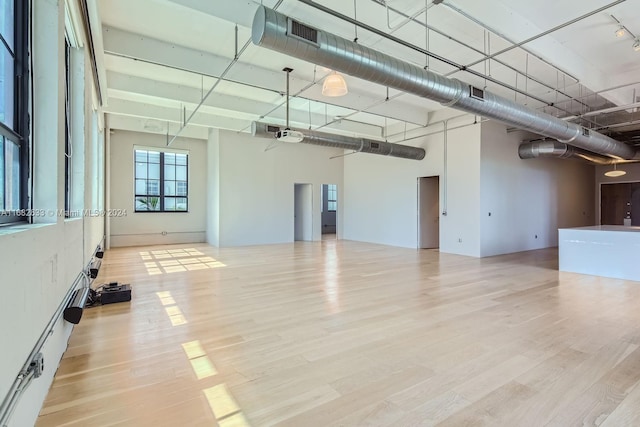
(334, 85)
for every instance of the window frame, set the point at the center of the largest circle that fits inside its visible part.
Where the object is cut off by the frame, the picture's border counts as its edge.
(19, 135)
(162, 195)
(332, 189)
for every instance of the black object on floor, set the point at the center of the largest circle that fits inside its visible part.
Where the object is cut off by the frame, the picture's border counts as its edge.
(115, 292)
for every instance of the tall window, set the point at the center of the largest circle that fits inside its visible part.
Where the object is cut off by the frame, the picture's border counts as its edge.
(332, 197)
(161, 183)
(14, 120)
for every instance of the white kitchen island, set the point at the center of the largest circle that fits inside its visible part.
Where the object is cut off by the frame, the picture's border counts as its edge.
(602, 250)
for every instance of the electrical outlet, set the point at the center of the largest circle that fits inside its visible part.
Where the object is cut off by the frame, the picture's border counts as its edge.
(37, 366)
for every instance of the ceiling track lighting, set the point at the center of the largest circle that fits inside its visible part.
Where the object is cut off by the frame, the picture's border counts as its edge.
(620, 32)
(636, 45)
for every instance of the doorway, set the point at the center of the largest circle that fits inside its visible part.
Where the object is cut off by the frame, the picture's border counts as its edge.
(303, 212)
(329, 197)
(429, 212)
(620, 202)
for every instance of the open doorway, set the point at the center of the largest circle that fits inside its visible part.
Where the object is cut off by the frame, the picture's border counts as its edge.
(303, 212)
(329, 197)
(429, 212)
(620, 204)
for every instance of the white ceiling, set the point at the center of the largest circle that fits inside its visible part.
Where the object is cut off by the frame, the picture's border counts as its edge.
(162, 57)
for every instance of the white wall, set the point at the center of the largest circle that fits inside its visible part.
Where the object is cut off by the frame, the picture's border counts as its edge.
(40, 261)
(145, 228)
(528, 198)
(633, 175)
(256, 187)
(380, 195)
(213, 188)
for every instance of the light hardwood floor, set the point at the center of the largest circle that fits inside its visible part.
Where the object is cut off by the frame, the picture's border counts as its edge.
(339, 333)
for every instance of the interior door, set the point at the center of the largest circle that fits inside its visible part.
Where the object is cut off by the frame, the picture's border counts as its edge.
(429, 212)
(303, 212)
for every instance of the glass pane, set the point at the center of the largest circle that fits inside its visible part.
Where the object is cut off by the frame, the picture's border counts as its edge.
(1, 173)
(181, 159)
(12, 156)
(332, 206)
(181, 204)
(154, 157)
(154, 171)
(153, 187)
(7, 83)
(147, 203)
(169, 159)
(141, 170)
(169, 172)
(181, 189)
(6, 21)
(169, 204)
(141, 186)
(181, 173)
(141, 156)
(141, 203)
(153, 203)
(170, 188)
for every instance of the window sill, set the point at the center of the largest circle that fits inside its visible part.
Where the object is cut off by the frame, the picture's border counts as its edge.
(18, 228)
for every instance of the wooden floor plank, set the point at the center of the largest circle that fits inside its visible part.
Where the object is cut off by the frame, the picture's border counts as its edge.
(340, 333)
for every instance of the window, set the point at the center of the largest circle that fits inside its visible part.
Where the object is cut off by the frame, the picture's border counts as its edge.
(67, 130)
(161, 183)
(14, 113)
(332, 197)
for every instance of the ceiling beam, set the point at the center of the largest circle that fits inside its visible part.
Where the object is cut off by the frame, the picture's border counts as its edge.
(156, 92)
(136, 46)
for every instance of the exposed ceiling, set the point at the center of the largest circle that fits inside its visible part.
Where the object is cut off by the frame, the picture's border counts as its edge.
(163, 56)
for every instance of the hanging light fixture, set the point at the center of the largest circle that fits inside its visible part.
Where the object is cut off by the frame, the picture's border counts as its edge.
(615, 172)
(334, 85)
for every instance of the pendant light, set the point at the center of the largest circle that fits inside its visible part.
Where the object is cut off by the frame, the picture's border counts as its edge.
(615, 172)
(334, 85)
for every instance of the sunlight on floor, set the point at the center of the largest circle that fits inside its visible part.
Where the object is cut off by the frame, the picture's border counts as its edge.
(202, 366)
(171, 308)
(224, 407)
(177, 260)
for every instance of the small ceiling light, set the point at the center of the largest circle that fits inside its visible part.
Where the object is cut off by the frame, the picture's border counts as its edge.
(621, 32)
(636, 45)
(615, 172)
(334, 85)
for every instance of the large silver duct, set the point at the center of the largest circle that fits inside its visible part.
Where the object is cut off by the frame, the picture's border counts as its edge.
(324, 139)
(278, 32)
(559, 150)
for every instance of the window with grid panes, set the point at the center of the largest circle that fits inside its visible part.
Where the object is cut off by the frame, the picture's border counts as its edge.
(161, 181)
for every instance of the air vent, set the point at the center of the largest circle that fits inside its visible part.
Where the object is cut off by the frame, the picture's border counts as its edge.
(585, 132)
(476, 93)
(273, 129)
(375, 146)
(303, 32)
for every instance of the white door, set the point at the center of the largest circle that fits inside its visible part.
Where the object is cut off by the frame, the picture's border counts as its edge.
(303, 212)
(429, 212)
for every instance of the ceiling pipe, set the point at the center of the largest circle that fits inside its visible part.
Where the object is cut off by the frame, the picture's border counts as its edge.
(278, 32)
(361, 145)
(559, 150)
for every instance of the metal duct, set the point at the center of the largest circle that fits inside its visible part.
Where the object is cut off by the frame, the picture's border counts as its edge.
(560, 150)
(324, 139)
(281, 33)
